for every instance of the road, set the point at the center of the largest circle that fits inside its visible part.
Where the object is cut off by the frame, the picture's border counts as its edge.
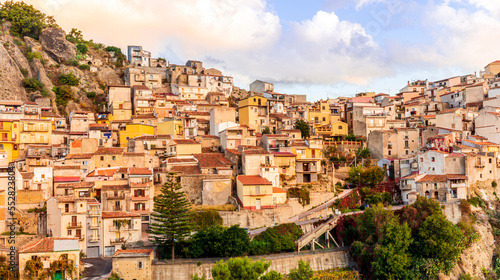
(97, 268)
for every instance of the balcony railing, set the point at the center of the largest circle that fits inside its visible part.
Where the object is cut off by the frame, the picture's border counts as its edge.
(123, 228)
(94, 238)
(479, 165)
(117, 208)
(121, 196)
(74, 225)
(93, 213)
(117, 240)
(94, 226)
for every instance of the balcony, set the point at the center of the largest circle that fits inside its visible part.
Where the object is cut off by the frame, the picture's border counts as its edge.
(123, 228)
(479, 165)
(113, 197)
(74, 225)
(117, 240)
(117, 208)
(140, 198)
(94, 226)
(94, 238)
(31, 112)
(94, 213)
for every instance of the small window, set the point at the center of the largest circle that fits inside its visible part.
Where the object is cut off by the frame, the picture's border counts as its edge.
(433, 159)
(69, 232)
(102, 157)
(140, 265)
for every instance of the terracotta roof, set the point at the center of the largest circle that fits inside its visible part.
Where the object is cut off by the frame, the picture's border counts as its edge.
(108, 172)
(109, 151)
(115, 214)
(79, 156)
(212, 160)
(284, 154)
(448, 111)
(27, 175)
(277, 135)
(208, 150)
(181, 160)
(77, 185)
(125, 253)
(258, 151)
(428, 116)
(143, 117)
(210, 136)
(42, 245)
(64, 167)
(185, 141)
(278, 190)
(115, 187)
(233, 151)
(186, 169)
(67, 179)
(139, 171)
(433, 178)
(253, 180)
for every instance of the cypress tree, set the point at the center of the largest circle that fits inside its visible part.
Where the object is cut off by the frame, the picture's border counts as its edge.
(171, 219)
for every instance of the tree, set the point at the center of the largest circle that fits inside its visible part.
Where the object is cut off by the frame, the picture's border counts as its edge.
(272, 275)
(171, 219)
(205, 218)
(304, 128)
(25, 19)
(239, 269)
(266, 130)
(303, 272)
(438, 238)
(363, 152)
(391, 256)
(369, 176)
(75, 36)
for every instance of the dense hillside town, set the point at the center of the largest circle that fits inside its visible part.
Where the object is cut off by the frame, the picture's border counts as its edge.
(101, 150)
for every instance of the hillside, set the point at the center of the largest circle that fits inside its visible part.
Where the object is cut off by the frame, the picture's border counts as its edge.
(39, 63)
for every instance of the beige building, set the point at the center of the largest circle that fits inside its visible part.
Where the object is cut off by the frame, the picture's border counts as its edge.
(120, 228)
(134, 264)
(49, 250)
(395, 143)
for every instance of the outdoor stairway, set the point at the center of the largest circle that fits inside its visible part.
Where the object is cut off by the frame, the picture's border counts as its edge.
(311, 237)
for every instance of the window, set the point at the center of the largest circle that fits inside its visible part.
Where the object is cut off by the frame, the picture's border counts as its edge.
(140, 265)
(102, 157)
(69, 232)
(340, 127)
(421, 160)
(433, 159)
(114, 157)
(489, 160)
(389, 152)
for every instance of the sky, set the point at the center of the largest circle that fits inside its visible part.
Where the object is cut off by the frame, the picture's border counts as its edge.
(322, 48)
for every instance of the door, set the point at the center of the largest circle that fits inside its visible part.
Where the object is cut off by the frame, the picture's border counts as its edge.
(257, 204)
(59, 275)
(93, 252)
(109, 251)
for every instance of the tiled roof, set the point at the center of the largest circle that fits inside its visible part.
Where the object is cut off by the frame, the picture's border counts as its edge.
(181, 160)
(233, 151)
(448, 111)
(67, 179)
(284, 154)
(116, 214)
(79, 156)
(135, 252)
(139, 171)
(107, 172)
(115, 187)
(64, 167)
(259, 151)
(212, 160)
(27, 175)
(433, 178)
(277, 135)
(253, 180)
(278, 190)
(185, 141)
(109, 151)
(210, 136)
(42, 245)
(186, 169)
(143, 117)
(45, 114)
(77, 185)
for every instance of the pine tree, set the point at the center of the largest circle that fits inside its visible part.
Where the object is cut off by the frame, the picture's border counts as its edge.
(171, 219)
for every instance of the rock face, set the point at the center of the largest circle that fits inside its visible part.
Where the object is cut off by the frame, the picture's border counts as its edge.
(55, 44)
(10, 77)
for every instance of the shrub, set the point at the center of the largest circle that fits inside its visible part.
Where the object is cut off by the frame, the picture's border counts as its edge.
(17, 42)
(25, 19)
(113, 49)
(218, 241)
(477, 202)
(494, 184)
(69, 79)
(276, 240)
(91, 94)
(63, 95)
(84, 67)
(82, 48)
(45, 93)
(72, 62)
(32, 84)
(32, 55)
(302, 194)
(24, 72)
(203, 219)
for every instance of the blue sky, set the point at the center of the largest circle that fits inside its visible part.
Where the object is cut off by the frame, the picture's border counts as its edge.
(321, 48)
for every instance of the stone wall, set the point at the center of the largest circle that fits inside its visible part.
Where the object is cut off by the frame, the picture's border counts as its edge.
(282, 263)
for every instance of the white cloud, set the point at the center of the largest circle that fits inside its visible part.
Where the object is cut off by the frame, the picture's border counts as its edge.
(361, 3)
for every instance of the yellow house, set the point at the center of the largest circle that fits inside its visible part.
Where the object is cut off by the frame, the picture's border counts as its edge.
(254, 192)
(183, 147)
(49, 250)
(31, 131)
(134, 130)
(171, 127)
(7, 143)
(253, 112)
(134, 264)
(335, 129)
(320, 114)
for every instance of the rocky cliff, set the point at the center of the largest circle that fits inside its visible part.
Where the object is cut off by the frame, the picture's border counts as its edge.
(44, 60)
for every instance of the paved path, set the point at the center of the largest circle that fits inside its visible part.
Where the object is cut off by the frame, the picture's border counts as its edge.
(97, 268)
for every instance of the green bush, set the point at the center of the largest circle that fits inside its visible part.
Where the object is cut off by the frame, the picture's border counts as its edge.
(63, 95)
(494, 184)
(113, 49)
(32, 84)
(477, 201)
(72, 62)
(82, 48)
(91, 94)
(84, 67)
(69, 79)
(277, 239)
(25, 19)
(24, 72)
(32, 55)
(218, 241)
(201, 219)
